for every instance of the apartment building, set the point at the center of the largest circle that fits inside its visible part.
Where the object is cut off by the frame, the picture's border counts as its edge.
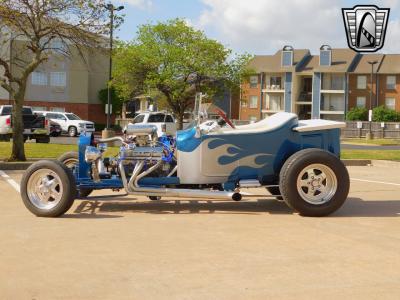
(330, 77)
(269, 90)
(293, 80)
(65, 84)
(385, 84)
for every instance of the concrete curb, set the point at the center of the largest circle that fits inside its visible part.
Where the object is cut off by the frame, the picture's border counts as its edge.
(356, 162)
(18, 166)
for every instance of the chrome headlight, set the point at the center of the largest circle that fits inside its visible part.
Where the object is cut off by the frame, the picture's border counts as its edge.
(92, 154)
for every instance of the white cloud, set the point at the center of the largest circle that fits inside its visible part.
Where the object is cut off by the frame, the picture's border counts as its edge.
(142, 4)
(263, 26)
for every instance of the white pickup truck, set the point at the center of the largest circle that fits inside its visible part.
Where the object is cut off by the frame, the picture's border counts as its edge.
(164, 122)
(69, 122)
(35, 127)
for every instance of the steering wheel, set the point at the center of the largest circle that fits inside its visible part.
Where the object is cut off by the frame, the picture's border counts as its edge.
(226, 119)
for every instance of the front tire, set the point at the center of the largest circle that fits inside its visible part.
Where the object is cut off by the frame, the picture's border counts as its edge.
(48, 189)
(309, 182)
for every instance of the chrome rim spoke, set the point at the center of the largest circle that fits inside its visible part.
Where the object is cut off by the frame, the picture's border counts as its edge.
(45, 189)
(317, 184)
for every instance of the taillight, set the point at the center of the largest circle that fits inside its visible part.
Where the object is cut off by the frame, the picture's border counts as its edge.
(46, 122)
(8, 121)
(164, 128)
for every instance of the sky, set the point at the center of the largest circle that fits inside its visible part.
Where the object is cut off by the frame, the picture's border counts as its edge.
(260, 26)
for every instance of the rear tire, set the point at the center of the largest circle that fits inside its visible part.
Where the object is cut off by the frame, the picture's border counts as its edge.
(275, 191)
(309, 182)
(48, 188)
(71, 160)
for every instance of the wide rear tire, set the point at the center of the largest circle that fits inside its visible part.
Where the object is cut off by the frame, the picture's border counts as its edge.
(48, 188)
(314, 182)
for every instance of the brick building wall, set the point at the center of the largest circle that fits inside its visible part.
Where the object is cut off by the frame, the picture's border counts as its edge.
(247, 112)
(383, 91)
(354, 92)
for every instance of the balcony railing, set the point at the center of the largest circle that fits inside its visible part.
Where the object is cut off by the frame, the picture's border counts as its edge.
(305, 97)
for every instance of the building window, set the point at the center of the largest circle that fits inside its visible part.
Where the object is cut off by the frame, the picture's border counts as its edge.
(390, 103)
(391, 82)
(244, 103)
(361, 82)
(287, 58)
(275, 103)
(325, 58)
(337, 82)
(58, 109)
(253, 81)
(252, 119)
(275, 82)
(39, 78)
(253, 102)
(361, 102)
(58, 79)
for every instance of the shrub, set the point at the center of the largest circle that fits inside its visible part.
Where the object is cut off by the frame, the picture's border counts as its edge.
(357, 114)
(383, 114)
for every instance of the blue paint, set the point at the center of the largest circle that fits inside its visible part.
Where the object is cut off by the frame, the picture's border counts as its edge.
(288, 92)
(84, 167)
(158, 181)
(316, 95)
(186, 140)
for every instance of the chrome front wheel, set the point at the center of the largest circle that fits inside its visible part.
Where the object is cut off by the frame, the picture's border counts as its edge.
(45, 189)
(48, 188)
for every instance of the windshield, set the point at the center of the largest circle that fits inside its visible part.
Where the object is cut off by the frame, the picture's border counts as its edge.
(72, 117)
(138, 119)
(8, 109)
(158, 118)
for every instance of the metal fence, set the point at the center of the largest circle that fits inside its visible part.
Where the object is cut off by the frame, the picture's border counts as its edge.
(379, 130)
(354, 129)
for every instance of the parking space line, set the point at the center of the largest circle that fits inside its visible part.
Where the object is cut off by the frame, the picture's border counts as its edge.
(373, 181)
(10, 181)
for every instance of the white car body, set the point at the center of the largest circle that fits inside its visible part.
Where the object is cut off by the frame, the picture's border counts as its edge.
(164, 122)
(68, 121)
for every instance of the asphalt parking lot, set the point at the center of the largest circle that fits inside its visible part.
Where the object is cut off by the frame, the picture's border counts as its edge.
(124, 248)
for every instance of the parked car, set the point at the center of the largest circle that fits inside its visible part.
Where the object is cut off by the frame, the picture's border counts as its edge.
(165, 122)
(35, 127)
(69, 122)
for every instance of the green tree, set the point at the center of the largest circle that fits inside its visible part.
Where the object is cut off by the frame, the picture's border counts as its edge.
(37, 30)
(116, 100)
(178, 61)
(357, 114)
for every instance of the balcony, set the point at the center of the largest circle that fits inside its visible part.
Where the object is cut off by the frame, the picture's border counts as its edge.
(274, 89)
(333, 84)
(304, 98)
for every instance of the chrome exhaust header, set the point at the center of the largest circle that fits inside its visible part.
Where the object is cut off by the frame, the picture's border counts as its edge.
(132, 187)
